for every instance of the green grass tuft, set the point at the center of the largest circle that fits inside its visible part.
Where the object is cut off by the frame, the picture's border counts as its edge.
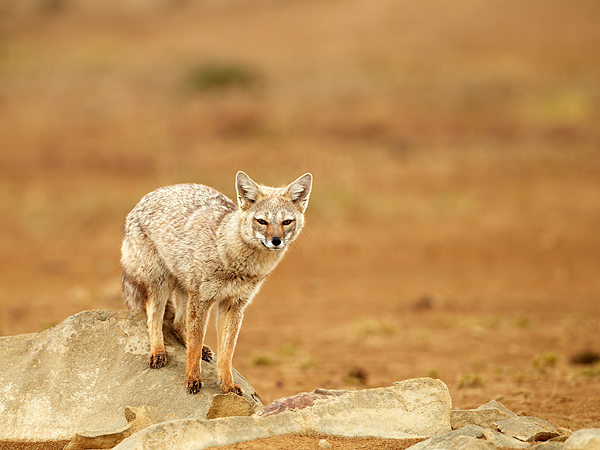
(220, 76)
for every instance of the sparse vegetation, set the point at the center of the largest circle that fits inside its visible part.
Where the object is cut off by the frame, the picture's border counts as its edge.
(262, 360)
(289, 350)
(471, 381)
(369, 328)
(219, 76)
(432, 373)
(590, 373)
(523, 323)
(356, 376)
(308, 364)
(544, 363)
(492, 322)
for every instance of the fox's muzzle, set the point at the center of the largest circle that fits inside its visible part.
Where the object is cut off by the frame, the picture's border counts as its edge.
(275, 243)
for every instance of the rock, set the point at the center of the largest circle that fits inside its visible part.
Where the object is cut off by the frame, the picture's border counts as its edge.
(564, 433)
(300, 401)
(85, 441)
(586, 439)
(79, 376)
(408, 409)
(142, 417)
(485, 416)
(138, 418)
(493, 404)
(527, 429)
(466, 438)
(502, 440)
(229, 405)
(549, 445)
(324, 444)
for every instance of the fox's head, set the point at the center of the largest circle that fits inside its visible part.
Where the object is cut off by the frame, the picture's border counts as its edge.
(272, 217)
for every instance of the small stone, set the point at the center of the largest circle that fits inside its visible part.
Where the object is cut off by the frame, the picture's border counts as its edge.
(324, 444)
(564, 431)
(229, 405)
(586, 439)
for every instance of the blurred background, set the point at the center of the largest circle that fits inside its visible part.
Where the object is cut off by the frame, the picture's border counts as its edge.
(453, 225)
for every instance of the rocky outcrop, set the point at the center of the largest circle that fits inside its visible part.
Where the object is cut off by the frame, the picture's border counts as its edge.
(408, 409)
(494, 426)
(79, 376)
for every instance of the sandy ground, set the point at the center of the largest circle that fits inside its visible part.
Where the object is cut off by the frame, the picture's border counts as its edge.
(453, 226)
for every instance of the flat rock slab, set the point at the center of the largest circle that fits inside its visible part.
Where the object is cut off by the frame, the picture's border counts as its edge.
(408, 409)
(80, 375)
(486, 416)
(502, 440)
(528, 429)
(469, 437)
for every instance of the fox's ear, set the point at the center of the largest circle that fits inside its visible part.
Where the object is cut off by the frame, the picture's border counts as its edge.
(247, 190)
(299, 191)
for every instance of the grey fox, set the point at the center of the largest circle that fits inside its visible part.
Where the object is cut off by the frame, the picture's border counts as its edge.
(187, 247)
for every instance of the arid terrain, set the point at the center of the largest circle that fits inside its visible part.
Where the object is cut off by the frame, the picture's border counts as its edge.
(454, 226)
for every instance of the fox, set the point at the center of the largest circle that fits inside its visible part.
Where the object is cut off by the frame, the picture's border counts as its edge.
(187, 247)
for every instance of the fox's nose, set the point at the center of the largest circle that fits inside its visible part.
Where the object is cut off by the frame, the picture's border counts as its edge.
(276, 241)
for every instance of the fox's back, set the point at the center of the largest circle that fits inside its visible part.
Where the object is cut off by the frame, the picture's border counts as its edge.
(171, 212)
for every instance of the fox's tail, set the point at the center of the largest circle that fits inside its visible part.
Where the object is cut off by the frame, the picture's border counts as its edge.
(135, 294)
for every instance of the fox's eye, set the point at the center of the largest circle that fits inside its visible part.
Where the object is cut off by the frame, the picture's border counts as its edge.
(261, 221)
(286, 222)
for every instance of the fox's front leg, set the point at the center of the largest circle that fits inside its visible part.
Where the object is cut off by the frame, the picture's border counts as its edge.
(196, 318)
(229, 322)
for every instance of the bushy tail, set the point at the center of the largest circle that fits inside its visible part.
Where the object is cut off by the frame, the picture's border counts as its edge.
(135, 294)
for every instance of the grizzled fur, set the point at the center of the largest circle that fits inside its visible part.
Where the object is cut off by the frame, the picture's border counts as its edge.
(187, 247)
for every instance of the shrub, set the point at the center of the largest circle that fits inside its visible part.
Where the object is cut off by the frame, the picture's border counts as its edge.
(219, 76)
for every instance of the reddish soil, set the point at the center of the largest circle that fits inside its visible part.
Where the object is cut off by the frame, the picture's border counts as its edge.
(453, 226)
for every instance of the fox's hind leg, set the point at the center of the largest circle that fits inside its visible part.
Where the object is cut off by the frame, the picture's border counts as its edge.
(179, 322)
(158, 296)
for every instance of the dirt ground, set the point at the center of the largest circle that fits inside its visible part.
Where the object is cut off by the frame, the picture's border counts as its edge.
(453, 228)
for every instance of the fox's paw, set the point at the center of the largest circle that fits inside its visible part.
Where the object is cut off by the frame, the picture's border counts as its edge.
(158, 360)
(235, 388)
(207, 353)
(193, 386)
